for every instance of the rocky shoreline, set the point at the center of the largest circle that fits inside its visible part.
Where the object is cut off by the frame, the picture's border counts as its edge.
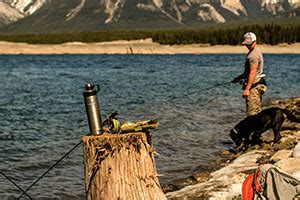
(226, 182)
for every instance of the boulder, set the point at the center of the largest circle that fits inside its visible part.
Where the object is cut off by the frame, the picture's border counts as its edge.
(296, 174)
(289, 165)
(225, 183)
(296, 153)
(281, 154)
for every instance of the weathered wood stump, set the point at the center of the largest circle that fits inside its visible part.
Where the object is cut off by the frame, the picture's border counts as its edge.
(120, 166)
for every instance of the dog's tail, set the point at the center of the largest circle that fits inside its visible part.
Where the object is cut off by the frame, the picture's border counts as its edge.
(290, 116)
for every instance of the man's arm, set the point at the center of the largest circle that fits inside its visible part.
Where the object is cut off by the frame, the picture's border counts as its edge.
(253, 69)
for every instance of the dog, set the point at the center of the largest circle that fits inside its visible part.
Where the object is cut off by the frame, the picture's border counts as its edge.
(248, 131)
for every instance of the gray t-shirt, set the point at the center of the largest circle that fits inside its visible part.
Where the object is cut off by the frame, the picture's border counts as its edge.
(254, 57)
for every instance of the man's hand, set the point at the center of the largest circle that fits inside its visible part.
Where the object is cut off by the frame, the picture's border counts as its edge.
(246, 93)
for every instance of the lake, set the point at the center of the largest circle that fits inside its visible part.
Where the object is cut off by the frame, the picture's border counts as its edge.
(42, 113)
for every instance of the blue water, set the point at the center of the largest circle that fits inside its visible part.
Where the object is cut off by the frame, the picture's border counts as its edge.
(42, 114)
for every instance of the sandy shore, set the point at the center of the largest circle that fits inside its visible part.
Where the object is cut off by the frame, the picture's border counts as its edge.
(136, 47)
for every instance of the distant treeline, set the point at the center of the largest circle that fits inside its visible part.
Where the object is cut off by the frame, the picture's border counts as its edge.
(267, 34)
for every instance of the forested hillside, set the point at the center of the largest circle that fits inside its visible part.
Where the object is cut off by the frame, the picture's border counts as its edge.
(266, 33)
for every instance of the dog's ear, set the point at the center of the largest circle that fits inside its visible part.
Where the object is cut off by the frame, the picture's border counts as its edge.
(236, 137)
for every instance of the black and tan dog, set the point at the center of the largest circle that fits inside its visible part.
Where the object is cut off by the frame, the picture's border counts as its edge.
(248, 131)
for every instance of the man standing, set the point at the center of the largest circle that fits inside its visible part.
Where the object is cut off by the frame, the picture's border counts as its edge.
(254, 84)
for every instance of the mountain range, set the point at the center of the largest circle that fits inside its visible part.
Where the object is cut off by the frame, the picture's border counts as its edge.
(36, 16)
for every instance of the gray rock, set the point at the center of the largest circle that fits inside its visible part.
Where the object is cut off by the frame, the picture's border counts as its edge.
(225, 183)
(282, 154)
(296, 153)
(296, 174)
(289, 165)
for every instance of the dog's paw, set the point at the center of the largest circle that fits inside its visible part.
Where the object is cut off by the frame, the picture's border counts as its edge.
(241, 149)
(232, 150)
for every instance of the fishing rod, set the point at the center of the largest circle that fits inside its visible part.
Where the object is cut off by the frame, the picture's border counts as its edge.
(200, 90)
(24, 192)
(54, 165)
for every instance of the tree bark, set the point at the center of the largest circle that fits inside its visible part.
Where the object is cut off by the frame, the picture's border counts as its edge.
(120, 166)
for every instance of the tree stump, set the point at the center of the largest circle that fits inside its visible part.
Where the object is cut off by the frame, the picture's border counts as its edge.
(120, 166)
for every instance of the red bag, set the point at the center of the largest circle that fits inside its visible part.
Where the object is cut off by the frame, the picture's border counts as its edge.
(251, 185)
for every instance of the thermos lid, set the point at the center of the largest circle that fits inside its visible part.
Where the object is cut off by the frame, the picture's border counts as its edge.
(89, 86)
(89, 90)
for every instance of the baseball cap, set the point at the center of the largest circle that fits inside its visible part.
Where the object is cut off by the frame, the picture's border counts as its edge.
(249, 38)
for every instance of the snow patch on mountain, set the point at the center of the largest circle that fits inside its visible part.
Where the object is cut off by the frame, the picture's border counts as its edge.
(273, 8)
(177, 11)
(188, 2)
(234, 6)
(209, 13)
(28, 7)
(9, 14)
(158, 3)
(111, 6)
(184, 7)
(294, 3)
(72, 13)
(147, 7)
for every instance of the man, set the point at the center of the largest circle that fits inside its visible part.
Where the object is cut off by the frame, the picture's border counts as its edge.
(252, 78)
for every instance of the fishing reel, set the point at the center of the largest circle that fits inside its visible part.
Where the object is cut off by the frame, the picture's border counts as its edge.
(112, 123)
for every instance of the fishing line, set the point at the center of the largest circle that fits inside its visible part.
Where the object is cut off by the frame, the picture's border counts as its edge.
(75, 147)
(198, 91)
(15, 184)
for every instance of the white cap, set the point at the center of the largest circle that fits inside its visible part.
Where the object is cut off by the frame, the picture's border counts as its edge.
(249, 38)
